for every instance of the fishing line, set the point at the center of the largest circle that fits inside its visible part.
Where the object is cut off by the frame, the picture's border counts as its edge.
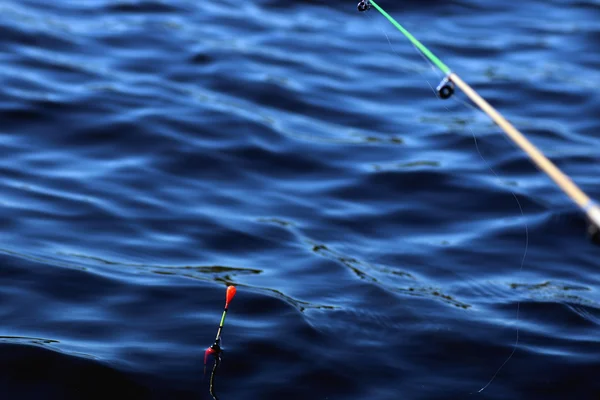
(446, 90)
(414, 68)
(579, 197)
(516, 345)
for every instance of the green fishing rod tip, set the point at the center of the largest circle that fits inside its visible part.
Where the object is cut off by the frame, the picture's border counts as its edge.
(420, 46)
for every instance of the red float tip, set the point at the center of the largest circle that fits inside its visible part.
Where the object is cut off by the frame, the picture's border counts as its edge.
(230, 293)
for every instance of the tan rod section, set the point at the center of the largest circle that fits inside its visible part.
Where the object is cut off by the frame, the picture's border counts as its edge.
(562, 180)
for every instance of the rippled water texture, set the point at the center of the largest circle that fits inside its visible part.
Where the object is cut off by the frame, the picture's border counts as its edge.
(156, 151)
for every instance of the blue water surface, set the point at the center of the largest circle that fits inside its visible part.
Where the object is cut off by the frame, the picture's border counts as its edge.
(385, 244)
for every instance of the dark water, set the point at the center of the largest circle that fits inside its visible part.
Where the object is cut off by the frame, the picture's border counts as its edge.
(155, 151)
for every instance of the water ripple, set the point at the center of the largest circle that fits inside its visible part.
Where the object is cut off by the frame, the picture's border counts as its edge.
(157, 151)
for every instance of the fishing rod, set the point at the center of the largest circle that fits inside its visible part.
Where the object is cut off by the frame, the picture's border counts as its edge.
(215, 349)
(445, 90)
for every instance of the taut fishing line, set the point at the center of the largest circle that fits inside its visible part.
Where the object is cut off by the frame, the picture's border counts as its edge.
(445, 90)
